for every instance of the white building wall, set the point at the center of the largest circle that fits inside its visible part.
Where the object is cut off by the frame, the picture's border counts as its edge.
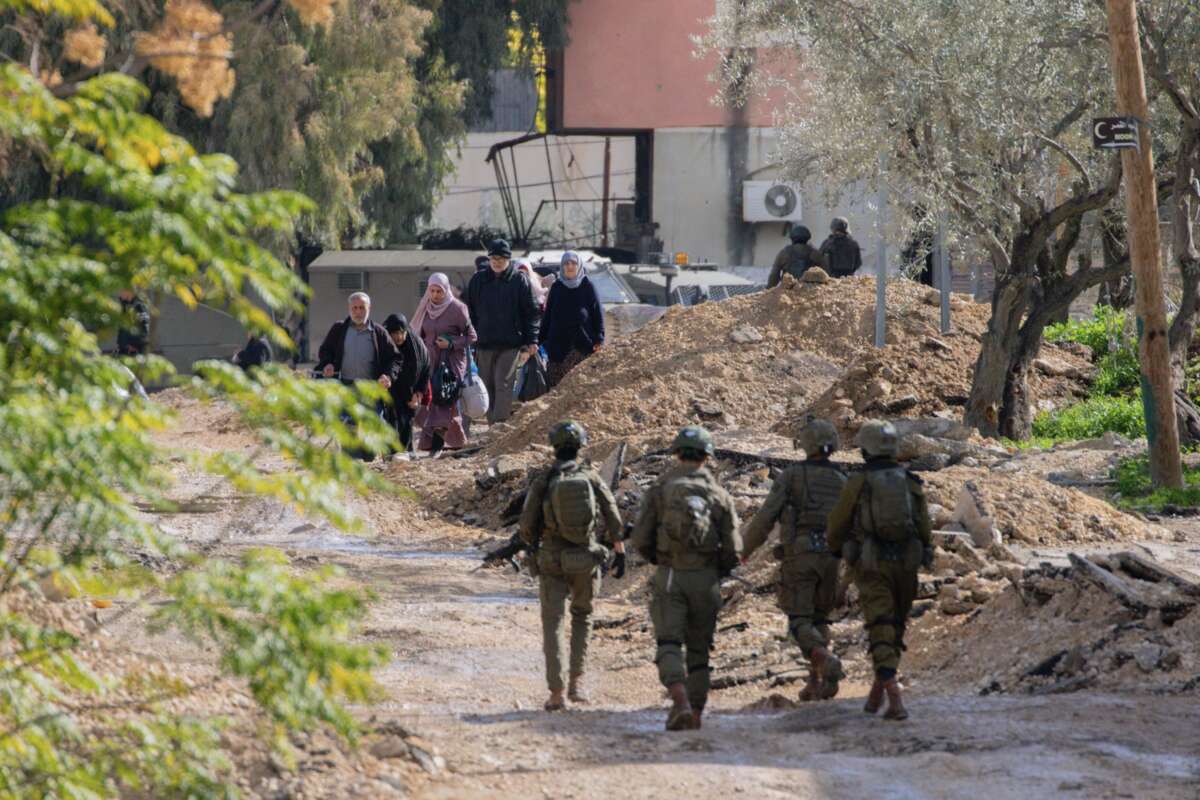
(697, 198)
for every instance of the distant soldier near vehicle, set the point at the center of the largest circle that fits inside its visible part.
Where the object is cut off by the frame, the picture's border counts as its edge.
(796, 258)
(840, 251)
(881, 526)
(800, 500)
(688, 527)
(560, 522)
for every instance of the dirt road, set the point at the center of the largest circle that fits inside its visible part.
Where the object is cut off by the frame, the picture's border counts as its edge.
(466, 674)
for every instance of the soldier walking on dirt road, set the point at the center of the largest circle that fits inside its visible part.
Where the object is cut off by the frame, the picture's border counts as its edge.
(688, 527)
(801, 499)
(563, 512)
(881, 526)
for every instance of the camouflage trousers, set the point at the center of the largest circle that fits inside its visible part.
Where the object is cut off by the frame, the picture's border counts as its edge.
(555, 589)
(886, 596)
(807, 594)
(684, 608)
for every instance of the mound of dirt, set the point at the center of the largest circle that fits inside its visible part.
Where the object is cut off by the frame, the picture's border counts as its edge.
(1031, 510)
(931, 375)
(762, 360)
(751, 361)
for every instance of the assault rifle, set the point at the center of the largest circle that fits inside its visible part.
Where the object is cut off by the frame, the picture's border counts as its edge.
(507, 552)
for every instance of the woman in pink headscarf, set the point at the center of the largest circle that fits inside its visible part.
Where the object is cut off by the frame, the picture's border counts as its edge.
(444, 325)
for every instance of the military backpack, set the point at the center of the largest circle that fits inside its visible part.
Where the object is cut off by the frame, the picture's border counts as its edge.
(571, 501)
(687, 515)
(887, 505)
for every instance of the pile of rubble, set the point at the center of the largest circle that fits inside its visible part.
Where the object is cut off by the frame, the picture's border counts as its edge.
(753, 361)
(1115, 620)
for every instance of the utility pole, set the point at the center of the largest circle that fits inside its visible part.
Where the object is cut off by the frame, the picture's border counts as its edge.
(1158, 390)
(881, 264)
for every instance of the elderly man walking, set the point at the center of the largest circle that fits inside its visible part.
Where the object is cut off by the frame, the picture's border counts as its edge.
(506, 320)
(356, 347)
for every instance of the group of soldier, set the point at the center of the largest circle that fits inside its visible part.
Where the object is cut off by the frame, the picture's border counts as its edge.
(875, 519)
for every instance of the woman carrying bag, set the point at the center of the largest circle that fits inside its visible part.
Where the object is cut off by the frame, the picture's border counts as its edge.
(445, 328)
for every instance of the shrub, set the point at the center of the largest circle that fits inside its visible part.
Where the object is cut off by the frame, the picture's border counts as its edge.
(1100, 333)
(1093, 417)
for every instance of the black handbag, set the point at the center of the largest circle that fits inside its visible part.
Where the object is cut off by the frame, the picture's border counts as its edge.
(445, 384)
(536, 383)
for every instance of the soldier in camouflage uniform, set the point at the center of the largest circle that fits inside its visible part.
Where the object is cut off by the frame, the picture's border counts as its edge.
(796, 258)
(881, 526)
(801, 499)
(688, 527)
(560, 523)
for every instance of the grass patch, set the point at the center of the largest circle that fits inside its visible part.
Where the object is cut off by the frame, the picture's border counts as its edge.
(1102, 333)
(1093, 417)
(1133, 489)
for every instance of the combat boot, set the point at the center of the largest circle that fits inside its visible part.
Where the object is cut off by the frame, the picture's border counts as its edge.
(681, 717)
(697, 713)
(874, 697)
(575, 691)
(555, 703)
(829, 672)
(895, 710)
(812, 686)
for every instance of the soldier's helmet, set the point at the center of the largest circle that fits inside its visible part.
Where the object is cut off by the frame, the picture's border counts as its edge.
(800, 233)
(693, 439)
(839, 225)
(878, 438)
(568, 434)
(818, 436)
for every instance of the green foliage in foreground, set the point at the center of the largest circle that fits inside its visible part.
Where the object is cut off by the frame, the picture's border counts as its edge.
(1091, 418)
(134, 206)
(1134, 490)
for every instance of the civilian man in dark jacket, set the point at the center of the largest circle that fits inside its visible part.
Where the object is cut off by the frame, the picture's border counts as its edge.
(131, 339)
(506, 320)
(841, 252)
(356, 347)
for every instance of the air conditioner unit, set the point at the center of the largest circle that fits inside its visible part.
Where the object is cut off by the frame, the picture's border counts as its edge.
(770, 201)
(352, 281)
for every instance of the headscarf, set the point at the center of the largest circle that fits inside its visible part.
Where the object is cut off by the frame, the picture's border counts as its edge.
(414, 358)
(535, 282)
(427, 309)
(572, 283)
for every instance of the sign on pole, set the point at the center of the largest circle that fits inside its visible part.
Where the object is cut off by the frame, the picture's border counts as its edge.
(1115, 133)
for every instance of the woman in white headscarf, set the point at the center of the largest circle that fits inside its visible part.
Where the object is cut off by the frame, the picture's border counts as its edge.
(444, 325)
(573, 323)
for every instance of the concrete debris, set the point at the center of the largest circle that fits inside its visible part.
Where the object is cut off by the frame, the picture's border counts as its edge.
(745, 334)
(972, 512)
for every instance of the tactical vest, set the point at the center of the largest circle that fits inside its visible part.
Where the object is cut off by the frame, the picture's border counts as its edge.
(570, 506)
(813, 491)
(885, 506)
(688, 537)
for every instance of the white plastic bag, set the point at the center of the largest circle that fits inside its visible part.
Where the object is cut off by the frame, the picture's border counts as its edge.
(474, 394)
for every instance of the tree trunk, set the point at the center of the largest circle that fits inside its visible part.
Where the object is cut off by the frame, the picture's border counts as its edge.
(991, 393)
(1183, 327)
(1117, 292)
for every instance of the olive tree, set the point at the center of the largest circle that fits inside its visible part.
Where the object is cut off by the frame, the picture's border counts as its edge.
(975, 108)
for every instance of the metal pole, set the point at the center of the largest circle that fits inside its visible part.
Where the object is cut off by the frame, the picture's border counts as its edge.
(604, 203)
(1141, 202)
(881, 266)
(943, 271)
